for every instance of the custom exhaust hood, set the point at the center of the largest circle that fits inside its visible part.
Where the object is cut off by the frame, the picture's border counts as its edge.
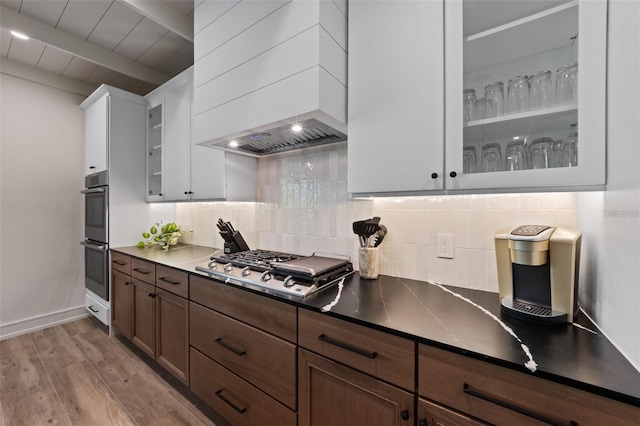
(270, 76)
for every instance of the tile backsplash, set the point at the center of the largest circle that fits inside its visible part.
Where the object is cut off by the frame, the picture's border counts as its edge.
(304, 207)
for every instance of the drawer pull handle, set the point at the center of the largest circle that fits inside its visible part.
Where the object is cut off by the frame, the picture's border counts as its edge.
(141, 271)
(466, 389)
(117, 262)
(168, 281)
(229, 348)
(92, 310)
(229, 403)
(371, 355)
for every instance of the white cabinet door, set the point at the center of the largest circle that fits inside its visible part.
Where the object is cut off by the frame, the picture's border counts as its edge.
(97, 136)
(396, 96)
(486, 45)
(208, 173)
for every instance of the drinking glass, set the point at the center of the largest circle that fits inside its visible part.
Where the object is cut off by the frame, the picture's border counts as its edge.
(567, 84)
(540, 90)
(516, 156)
(469, 105)
(468, 159)
(491, 160)
(571, 150)
(558, 154)
(542, 153)
(480, 108)
(518, 94)
(494, 99)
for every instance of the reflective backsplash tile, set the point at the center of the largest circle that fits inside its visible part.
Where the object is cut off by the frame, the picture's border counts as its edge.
(304, 207)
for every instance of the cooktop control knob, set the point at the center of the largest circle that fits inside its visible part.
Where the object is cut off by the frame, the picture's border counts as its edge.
(228, 267)
(246, 271)
(266, 276)
(288, 281)
(213, 264)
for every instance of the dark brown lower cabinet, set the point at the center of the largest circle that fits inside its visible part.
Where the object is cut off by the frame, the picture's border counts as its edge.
(122, 300)
(143, 334)
(332, 394)
(234, 398)
(172, 334)
(430, 414)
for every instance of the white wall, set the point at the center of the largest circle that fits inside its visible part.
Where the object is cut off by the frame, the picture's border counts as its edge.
(610, 220)
(41, 208)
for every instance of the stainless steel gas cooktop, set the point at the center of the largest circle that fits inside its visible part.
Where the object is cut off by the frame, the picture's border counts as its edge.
(278, 273)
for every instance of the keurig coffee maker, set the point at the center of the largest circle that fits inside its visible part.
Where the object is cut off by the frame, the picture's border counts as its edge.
(538, 269)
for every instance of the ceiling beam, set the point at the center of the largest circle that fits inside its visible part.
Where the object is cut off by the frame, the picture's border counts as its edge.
(75, 46)
(164, 15)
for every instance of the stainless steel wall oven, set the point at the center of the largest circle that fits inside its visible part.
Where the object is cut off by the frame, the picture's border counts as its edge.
(96, 242)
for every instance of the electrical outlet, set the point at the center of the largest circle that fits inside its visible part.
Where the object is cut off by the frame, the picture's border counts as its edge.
(444, 246)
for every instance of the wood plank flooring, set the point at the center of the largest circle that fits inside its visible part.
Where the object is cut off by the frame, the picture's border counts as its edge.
(75, 374)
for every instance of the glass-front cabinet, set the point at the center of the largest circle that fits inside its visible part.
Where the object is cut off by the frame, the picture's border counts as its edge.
(154, 153)
(525, 86)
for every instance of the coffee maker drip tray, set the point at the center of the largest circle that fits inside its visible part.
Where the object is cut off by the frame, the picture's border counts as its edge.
(531, 313)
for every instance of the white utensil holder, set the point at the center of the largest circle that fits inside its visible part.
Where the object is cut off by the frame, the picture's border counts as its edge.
(369, 259)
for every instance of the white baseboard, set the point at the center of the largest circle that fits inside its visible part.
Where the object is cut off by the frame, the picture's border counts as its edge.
(39, 322)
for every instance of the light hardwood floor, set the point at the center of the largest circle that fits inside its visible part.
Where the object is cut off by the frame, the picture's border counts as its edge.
(74, 374)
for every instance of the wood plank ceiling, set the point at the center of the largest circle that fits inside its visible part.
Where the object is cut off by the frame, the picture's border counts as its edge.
(129, 44)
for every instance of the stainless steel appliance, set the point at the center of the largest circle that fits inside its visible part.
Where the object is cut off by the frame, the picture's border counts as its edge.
(282, 274)
(538, 271)
(96, 243)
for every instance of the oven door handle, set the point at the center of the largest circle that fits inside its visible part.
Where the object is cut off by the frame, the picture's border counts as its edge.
(93, 191)
(93, 246)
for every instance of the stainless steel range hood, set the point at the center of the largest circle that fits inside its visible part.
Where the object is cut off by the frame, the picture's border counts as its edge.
(309, 133)
(266, 66)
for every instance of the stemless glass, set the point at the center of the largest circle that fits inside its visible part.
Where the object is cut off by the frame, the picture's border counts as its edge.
(494, 99)
(540, 90)
(469, 105)
(567, 84)
(542, 153)
(468, 159)
(491, 160)
(571, 149)
(518, 94)
(559, 159)
(516, 156)
(480, 108)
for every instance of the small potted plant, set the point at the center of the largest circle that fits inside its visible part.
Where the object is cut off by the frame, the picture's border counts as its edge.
(168, 235)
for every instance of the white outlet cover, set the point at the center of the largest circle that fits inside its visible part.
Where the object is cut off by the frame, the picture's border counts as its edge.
(444, 246)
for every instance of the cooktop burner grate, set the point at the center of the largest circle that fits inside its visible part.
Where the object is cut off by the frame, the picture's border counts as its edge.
(257, 260)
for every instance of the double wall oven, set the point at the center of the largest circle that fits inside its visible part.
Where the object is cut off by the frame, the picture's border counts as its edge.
(96, 234)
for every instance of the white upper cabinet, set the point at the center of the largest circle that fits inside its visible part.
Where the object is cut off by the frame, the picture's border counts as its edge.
(396, 96)
(261, 64)
(179, 170)
(97, 135)
(530, 141)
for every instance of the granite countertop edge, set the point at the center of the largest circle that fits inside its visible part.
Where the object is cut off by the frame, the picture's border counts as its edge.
(185, 257)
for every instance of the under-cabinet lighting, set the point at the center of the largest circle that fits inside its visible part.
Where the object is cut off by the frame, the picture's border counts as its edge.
(296, 127)
(19, 35)
(233, 144)
(515, 138)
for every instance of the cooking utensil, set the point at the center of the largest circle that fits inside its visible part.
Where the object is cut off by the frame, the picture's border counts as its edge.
(370, 228)
(358, 229)
(379, 236)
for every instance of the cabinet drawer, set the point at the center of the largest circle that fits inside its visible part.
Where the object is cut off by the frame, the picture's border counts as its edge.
(121, 262)
(97, 309)
(173, 281)
(430, 414)
(268, 362)
(380, 354)
(464, 383)
(143, 270)
(259, 311)
(235, 399)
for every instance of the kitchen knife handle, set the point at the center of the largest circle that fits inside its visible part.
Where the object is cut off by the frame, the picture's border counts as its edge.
(324, 338)
(229, 403)
(466, 389)
(229, 348)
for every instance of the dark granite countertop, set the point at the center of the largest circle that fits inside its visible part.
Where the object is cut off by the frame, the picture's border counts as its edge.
(460, 320)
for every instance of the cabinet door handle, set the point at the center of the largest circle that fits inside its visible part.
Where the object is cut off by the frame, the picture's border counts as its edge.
(152, 295)
(229, 348)
(324, 338)
(453, 174)
(229, 403)
(434, 176)
(422, 422)
(404, 415)
(92, 310)
(467, 389)
(141, 271)
(117, 262)
(168, 281)
(127, 282)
